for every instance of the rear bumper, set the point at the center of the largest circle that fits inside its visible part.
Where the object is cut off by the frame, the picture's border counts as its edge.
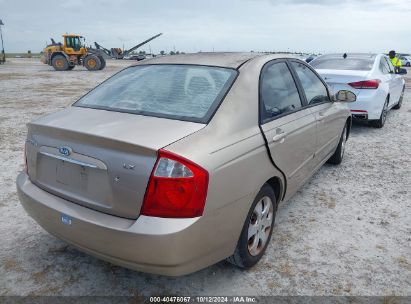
(149, 244)
(359, 116)
(371, 101)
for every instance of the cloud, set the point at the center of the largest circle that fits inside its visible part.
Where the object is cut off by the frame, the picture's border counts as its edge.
(358, 4)
(233, 25)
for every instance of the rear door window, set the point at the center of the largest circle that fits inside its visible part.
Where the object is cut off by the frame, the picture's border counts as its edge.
(314, 89)
(384, 66)
(278, 92)
(183, 92)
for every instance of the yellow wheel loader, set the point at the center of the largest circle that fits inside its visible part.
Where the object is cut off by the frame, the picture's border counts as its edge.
(65, 56)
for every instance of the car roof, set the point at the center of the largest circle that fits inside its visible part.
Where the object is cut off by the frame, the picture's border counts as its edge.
(350, 55)
(220, 59)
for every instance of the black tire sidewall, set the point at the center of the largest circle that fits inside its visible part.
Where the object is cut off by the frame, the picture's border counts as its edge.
(340, 144)
(247, 260)
(102, 62)
(66, 64)
(337, 158)
(381, 122)
(98, 62)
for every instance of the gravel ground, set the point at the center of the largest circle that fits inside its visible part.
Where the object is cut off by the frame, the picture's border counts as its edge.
(346, 232)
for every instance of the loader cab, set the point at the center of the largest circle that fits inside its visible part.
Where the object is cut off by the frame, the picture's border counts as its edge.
(74, 42)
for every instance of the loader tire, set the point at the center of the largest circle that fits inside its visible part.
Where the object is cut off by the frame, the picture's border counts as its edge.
(103, 62)
(92, 63)
(60, 63)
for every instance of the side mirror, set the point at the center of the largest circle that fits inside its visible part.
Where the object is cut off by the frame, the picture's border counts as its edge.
(345, 96)
(402, 71)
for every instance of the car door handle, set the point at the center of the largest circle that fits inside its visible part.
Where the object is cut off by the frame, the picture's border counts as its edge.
(279, 136)
(321, 116)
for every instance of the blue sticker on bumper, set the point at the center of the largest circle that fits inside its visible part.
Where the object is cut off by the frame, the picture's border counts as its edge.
(67, 220)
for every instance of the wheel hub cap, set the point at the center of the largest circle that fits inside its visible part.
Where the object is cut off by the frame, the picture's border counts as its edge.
(260, 226)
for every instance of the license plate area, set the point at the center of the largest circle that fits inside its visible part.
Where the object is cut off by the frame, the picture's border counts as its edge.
(75, 182)
(72, 175)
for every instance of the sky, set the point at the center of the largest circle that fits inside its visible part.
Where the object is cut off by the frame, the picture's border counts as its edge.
(316, 26)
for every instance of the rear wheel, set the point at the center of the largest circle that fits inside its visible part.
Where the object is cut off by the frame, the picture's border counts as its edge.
(338, 155)
(92, 63)
(399, 104)
(60, 63)
(257, 230)
(380, 122)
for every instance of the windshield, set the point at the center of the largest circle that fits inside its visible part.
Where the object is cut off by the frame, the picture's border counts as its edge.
(75, 42)
(183, 92)
(361, 64)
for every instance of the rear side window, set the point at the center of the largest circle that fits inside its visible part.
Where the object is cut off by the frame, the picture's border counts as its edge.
(360, 64)
(384, 66)
(183, 92)
(278, 92)
(314, 89)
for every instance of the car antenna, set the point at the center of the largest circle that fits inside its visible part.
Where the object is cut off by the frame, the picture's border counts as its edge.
(345, 55)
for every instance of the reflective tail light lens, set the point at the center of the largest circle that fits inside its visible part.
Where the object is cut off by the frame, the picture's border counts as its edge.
(366, 84)
(177, 188)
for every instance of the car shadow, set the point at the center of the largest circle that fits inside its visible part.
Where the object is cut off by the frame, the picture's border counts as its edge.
(360, 127)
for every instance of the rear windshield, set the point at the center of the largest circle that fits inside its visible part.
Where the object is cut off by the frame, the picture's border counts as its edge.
(361, 64)
(182, 92)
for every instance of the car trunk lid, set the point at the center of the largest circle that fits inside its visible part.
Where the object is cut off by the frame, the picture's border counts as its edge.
(99, 159)
(340, 79)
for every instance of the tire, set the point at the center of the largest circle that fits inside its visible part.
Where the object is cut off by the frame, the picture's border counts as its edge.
(383, 117)
(103, 62)
(399, 103)
(408, 64)
(60, 63)
(92, 62)
(250, 250)
(338, 155)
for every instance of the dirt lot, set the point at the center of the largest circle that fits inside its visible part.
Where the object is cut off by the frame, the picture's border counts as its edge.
(346, 232)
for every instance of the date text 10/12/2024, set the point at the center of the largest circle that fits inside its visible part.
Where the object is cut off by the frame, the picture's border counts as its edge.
(203, 299)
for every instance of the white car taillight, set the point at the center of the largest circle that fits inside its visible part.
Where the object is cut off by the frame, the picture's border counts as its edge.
(366, 84)
(177, 188)
(170, 168)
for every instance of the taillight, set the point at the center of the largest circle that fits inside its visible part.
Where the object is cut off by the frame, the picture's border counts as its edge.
(177, 188)
(366, 84)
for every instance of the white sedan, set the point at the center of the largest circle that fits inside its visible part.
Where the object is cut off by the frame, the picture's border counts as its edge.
(406, 61)
(370, 76)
